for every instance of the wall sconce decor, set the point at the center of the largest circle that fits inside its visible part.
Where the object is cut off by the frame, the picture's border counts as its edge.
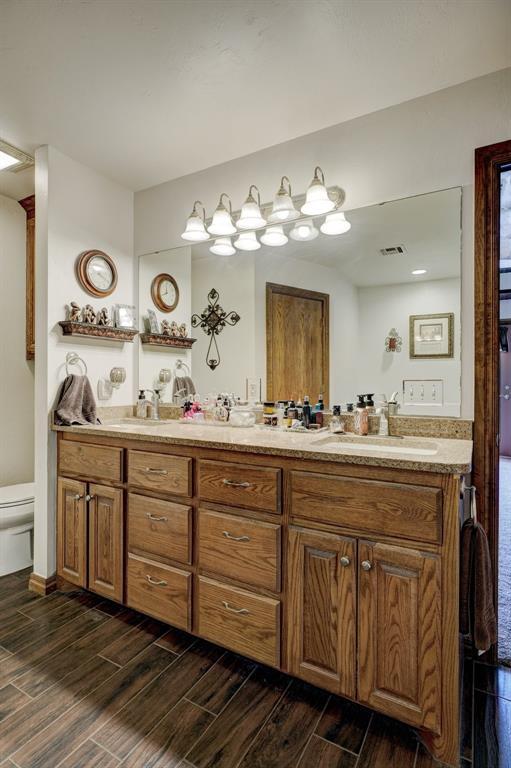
(393, 342)
(213, 320)
(106, 387)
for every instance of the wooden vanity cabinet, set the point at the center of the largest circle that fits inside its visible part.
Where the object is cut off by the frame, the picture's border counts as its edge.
(72, 531)
(321, 609)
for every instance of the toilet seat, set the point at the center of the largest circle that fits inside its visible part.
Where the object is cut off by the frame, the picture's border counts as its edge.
(16, 495)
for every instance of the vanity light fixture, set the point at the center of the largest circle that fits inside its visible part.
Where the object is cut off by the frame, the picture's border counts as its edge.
(304, 230)
(283, 206)
(250, 216)
(317, 200)
(223, 247)
(195, 229)
(335, 224)
(419, 271)
(247, 241)
(274, 236)
(222, 218)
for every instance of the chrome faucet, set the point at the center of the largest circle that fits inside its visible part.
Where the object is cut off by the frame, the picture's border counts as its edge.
(154, 410)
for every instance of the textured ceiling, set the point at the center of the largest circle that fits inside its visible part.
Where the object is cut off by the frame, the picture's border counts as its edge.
(150, 90)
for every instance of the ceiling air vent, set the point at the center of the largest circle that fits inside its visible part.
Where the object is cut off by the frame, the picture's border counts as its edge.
(393, 250)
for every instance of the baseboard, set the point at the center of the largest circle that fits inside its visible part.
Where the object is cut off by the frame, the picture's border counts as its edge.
(40, 585)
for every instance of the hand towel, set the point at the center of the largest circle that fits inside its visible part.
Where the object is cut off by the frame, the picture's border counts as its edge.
(183, 386)
(76, 403)
(477, 610)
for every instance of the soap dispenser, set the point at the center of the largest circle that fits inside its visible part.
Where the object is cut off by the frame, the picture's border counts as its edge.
(361, 417)
(142, 404)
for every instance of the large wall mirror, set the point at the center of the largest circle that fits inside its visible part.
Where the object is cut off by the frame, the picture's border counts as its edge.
(374, 310)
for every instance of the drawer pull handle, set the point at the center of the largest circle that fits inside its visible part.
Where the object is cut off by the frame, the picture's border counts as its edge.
(234, 610)
(156, 582)
(89, 497)
(366, 565)
(155, 471)
(345, 561)
(234, 484)
(235, 538)
(78, 496)
(156, 518)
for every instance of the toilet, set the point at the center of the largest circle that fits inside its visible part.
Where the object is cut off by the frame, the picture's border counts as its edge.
(16, 527)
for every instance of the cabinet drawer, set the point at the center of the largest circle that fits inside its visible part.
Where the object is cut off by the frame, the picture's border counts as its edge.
(159, 527)
(160, 591)
(395, 509)
(240, 620)
(98, 462)
(241, 549)
(160, 472)
(241, 485)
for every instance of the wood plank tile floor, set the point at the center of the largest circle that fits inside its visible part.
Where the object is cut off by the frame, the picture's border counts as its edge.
(85, 683)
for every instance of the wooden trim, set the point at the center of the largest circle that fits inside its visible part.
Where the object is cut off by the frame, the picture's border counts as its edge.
(273, 288)
(488, 163)
(28, 204)
(41, 585)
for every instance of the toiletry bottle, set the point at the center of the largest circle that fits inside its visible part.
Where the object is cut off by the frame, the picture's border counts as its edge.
(292, 411)
(361, 417)
(370, 404)
(349, 407)
(320, 405)
(142, 405)
(280, 413)
(336, 423)
(307, 412)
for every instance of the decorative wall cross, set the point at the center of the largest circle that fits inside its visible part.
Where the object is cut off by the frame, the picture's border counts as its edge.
(212, 321)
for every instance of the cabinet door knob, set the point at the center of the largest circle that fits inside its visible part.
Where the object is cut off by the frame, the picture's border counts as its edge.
(78, 496)
(344, 561)
(89, 497)
(366, 565)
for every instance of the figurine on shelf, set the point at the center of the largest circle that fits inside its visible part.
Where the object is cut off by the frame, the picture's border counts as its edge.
(182, 330)
(89, 315)
(165, 328)
(103, 318)
(174, 329)
(74, 312)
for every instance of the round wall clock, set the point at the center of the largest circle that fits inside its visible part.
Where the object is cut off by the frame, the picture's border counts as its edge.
(96, 273)
(164, 292)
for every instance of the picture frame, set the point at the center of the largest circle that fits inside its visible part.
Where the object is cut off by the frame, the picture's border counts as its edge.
(124, 316)
(153, 325)
(432, 336)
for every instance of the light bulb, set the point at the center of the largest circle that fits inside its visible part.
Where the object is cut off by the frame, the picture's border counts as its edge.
(274, 236)
(316, 198)
(195, 229)
(222, 247)
(283, 206)
(304, 230)
(250, 216)
(335, 224)
(247, 241)
(222, 219)
(419, 271)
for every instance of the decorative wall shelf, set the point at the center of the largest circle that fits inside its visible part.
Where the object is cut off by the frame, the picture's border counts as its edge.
(161, 340)
(70, 328)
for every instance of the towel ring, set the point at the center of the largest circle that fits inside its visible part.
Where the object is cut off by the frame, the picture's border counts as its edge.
(73, 359)
(181, 365)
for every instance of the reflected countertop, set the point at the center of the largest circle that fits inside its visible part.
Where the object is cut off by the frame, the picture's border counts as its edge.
(414, 453)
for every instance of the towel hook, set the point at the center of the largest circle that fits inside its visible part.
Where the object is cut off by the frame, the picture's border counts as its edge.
(72, 358)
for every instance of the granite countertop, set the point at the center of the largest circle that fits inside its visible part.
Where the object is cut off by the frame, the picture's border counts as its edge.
(414, 453)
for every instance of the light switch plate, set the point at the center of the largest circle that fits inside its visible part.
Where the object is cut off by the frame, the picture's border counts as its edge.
(428, 392)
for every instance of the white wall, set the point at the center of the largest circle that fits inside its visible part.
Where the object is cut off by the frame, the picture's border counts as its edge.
(77, 209)
(415, 147)
(384, 307)
(16, 373)
(233, 277)
(177, 263)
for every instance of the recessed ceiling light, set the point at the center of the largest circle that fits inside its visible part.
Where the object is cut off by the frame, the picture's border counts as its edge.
(13, 159)
(419, 271)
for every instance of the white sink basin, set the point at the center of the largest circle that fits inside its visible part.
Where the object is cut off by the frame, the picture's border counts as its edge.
(380, 444)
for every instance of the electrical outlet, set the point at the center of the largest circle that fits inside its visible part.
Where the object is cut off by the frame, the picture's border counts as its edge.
(428, 392)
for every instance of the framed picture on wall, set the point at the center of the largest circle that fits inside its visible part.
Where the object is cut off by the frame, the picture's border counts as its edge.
(432, 336)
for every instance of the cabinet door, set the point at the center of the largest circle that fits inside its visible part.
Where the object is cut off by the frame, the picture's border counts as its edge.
(321, 624)
(399, 632)
(105, 541)
(72, 531)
